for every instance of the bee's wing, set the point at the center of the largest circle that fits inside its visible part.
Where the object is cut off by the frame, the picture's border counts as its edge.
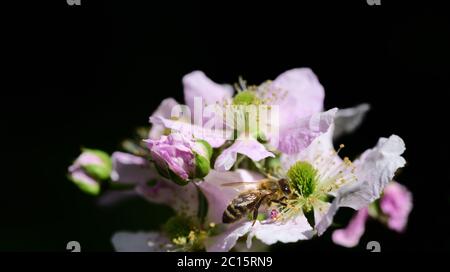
(247, 199)
(243, 183)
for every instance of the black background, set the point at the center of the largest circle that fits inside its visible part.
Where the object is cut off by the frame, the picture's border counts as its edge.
(87, 75)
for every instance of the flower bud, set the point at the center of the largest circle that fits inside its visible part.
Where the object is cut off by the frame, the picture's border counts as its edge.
(203, 153)
(180, 159)
(90, 169)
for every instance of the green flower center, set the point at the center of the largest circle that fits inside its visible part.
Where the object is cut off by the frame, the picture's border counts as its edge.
(246, 98)
(303, 177)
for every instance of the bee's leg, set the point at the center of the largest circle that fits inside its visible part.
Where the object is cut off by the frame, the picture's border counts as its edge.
(255, 215)
(279, 201)
(256, 208)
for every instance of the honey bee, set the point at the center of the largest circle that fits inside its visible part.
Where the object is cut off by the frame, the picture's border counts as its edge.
(268, 191)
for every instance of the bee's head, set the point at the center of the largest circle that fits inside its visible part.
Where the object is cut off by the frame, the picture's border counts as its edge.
(284, 186)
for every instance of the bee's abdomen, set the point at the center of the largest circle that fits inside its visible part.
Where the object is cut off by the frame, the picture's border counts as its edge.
(233, 214)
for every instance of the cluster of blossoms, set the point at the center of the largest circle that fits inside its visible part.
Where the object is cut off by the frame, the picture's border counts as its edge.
(234, 184)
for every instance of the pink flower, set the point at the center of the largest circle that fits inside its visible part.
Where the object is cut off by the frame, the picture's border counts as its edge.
(179, 158)
(173, 153)
(396, 204)
(297, 92)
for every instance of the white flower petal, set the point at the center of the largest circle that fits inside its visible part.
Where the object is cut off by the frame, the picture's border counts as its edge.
(374, 170)
(347, 120)
(289, 231)
(321, 145)
(320, 209)
(227, 239)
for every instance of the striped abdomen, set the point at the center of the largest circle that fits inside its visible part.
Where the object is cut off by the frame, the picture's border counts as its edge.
(240, 206)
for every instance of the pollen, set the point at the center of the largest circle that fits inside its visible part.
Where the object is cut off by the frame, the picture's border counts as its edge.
(179, 241)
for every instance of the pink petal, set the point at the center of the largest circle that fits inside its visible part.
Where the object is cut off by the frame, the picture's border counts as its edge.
(248, 147)
(164, 110)
(396, 203)
(303, 92)
(301, 133)
(215, 138)
(349, 237)
(197, 84)
(131, 169)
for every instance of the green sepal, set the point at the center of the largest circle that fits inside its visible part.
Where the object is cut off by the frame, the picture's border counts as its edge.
(92, 189)
(98, 172)
(202, 166)
(207, 147)
(169, 174)
(374, 209)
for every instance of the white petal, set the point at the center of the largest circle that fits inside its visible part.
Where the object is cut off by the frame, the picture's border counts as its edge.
(227, 239)
(290, 231)
(347, 120)
(374, 170)
(320, 210)
(322, 145)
